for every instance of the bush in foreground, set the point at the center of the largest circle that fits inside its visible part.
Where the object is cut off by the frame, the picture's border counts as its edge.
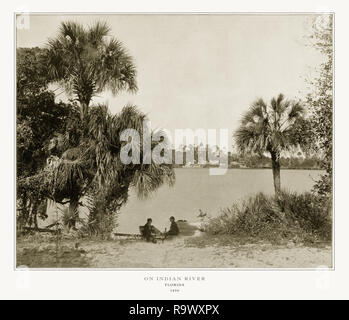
(301, 217)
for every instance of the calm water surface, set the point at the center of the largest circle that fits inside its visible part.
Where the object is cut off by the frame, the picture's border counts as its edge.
(195, 189)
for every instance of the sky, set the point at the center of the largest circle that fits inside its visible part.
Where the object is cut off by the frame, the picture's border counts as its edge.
(201, 71)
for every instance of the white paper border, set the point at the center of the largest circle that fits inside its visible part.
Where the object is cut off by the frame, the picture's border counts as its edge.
(130, 284)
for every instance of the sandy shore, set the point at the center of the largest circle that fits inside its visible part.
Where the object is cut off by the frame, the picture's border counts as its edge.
(177, 253)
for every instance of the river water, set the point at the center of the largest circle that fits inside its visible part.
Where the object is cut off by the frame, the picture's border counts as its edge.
(195, 189)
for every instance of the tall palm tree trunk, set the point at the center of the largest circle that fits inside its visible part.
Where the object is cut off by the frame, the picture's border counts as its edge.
(83, 110)
(275, 160)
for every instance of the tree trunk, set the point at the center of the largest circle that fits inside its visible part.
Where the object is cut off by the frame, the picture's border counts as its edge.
(73, 210)
(275, 160)
(24, 216)
(83, 110)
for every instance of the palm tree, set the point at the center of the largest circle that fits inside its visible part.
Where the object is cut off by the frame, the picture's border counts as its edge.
(87, 61)
(271, 129)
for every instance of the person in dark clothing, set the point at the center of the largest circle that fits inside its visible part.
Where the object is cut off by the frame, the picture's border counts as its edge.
(149, 231)
(174, 230)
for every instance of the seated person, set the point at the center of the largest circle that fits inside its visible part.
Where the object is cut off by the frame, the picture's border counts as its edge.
(174, 230)
(149, 231)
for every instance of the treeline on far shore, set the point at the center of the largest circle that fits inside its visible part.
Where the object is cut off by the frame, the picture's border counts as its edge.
(264, 162)
(236, 161)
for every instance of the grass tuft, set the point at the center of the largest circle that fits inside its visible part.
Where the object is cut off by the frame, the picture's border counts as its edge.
(298, 217)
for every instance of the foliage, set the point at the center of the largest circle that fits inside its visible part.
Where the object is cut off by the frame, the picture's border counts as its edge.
(93, 166)
(300, 217)
(320, 101)
(102, 217)
(262, 161)
(85, 62)
(32, 75)
(265, 128)
(311, 212)
(39, 118)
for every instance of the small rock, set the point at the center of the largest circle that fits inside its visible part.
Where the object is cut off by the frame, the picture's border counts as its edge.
(290, 244)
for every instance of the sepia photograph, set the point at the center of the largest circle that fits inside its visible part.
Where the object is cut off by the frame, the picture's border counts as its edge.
(174, 140)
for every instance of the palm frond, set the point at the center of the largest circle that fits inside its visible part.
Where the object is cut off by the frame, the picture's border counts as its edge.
(246, 139)
(116, 69)
(129, 118)
(71, 32)
(149, 178)
(256, 114)
(265, 128)
(69, 217)
(276, 103)
(68, 177)
(297, 110)
(97, 32)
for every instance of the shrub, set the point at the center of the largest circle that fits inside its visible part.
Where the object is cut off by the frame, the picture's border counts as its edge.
(311, 212)
(294, 216)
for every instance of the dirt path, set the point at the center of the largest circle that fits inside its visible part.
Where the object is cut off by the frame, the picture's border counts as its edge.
(175, 254)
